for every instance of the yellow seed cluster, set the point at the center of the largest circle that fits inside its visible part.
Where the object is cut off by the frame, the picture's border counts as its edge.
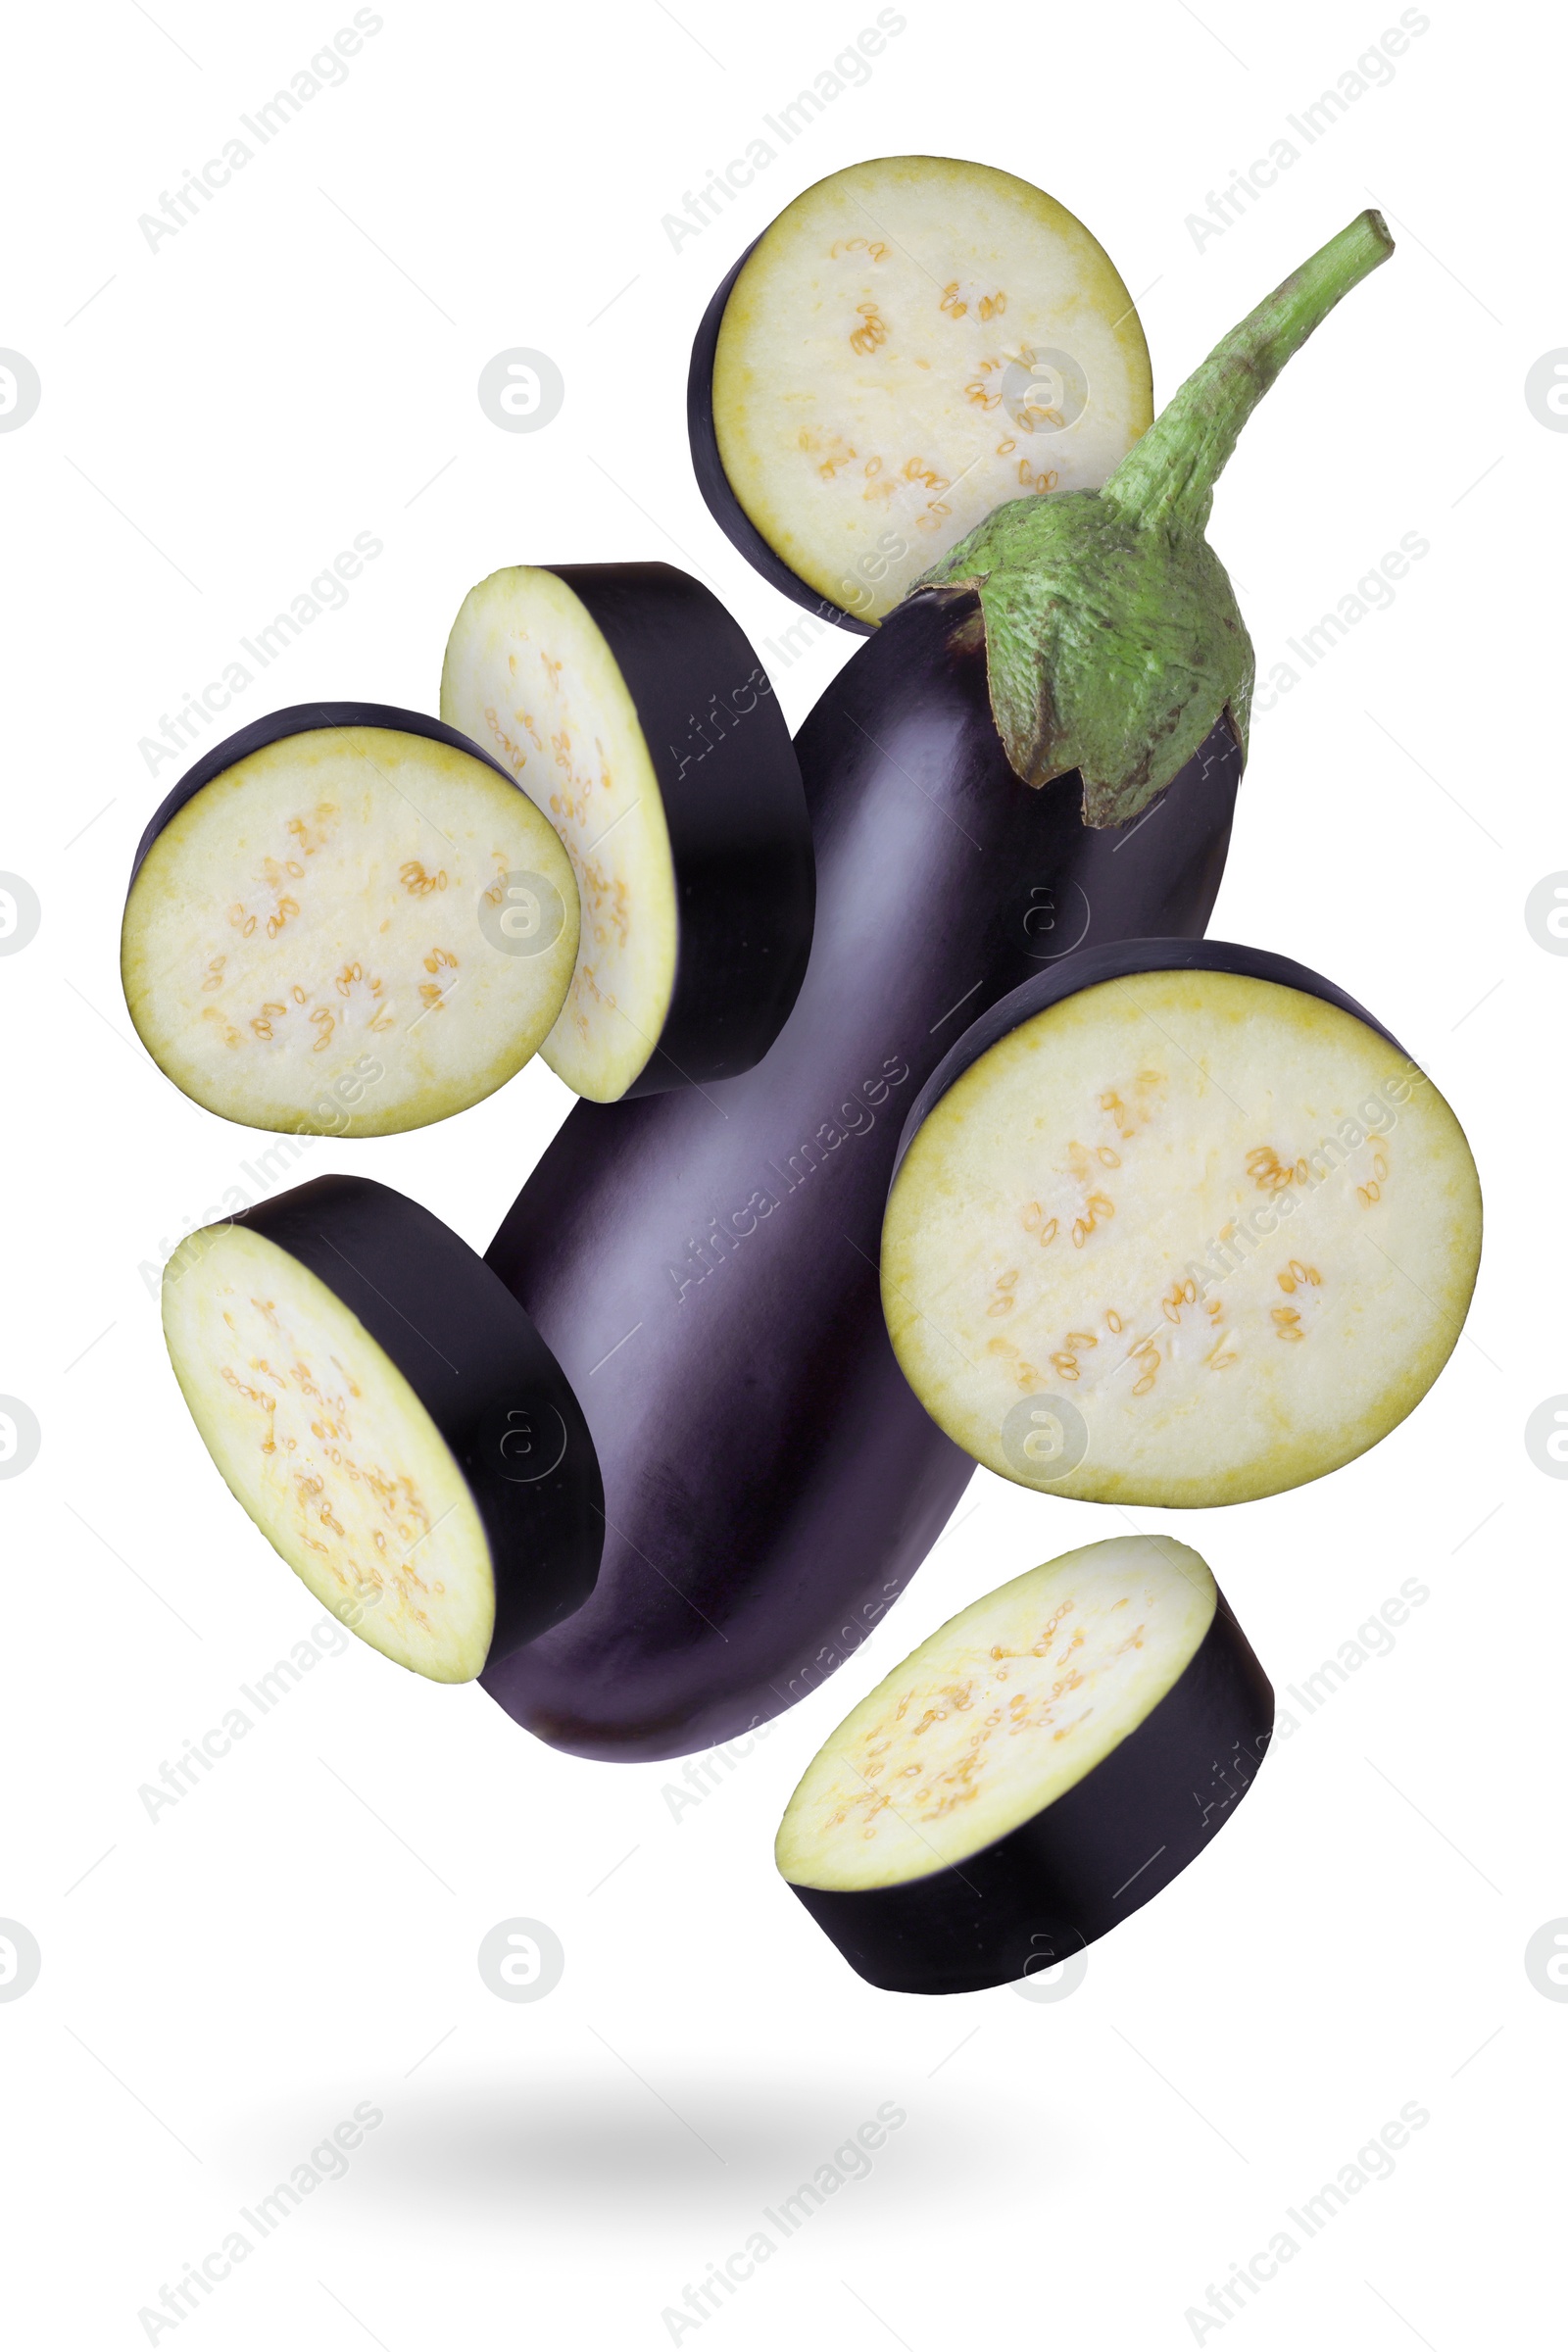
(943, 1784)
(872, 330)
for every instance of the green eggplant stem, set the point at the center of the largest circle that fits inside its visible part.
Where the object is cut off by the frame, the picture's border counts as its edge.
(1114, 642)
(1168, 477)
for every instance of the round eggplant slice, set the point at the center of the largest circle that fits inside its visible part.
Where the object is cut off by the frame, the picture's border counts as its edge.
(710, 1285)
(1033, 1773)
(631, 708)
(1176, 1223)
(391, 1420)
(913, 341)
(346, 921)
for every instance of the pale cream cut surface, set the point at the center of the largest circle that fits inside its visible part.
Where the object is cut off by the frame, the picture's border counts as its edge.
(859, 377)
(529, 676)
(997, 1714)
(322, 1440)
(303, 950)
(1086, 1214)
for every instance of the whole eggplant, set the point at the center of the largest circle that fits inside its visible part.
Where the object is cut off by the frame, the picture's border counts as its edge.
(703, 1263)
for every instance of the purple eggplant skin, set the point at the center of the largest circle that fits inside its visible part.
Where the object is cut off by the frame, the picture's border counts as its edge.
(703, 1265)
(1118, 959)
(714, 482)
(1074, 1871)
(482, 1373)
(740, 837)
(299, 718)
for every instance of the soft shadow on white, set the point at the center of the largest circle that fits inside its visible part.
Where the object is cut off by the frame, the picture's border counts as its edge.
(588, 2148)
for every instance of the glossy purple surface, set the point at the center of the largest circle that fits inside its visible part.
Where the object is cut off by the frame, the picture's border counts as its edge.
(1084, 1863)
(740, 838)
(481, 1372)
(703, 1265)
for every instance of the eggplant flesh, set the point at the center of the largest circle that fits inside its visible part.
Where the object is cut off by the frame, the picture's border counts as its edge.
(705, 1270)
(1180, 1226)
(1033, 1773)
(630, 708)
(913, 341)
(714, 482)
(318, 933)
(390, 1419)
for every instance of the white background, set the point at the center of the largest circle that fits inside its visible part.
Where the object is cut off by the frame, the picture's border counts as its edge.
(299, 365)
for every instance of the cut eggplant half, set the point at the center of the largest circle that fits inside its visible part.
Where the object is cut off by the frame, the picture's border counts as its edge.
(1033, 1773)
(633, 711)
(1177, 1224)
(346, 921)
(391, 1420)
(913, 341)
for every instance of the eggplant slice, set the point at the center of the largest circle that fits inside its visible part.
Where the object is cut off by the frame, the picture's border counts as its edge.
(630, 708)
(346, 921)
(390, 1419)
(1032, 1773)
(913, 341)
(1179, 1224)
(710, 1284)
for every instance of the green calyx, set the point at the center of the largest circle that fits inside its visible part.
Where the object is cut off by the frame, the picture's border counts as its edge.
(1113, 641)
